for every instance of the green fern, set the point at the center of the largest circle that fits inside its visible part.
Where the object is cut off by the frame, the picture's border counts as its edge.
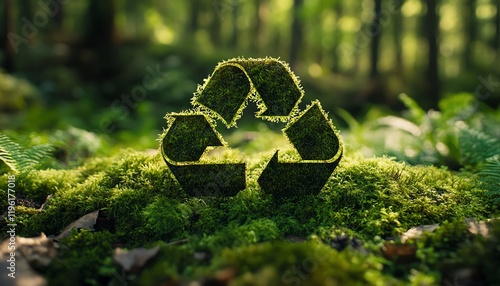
(476, 147)
(490, 176)
(19, 159)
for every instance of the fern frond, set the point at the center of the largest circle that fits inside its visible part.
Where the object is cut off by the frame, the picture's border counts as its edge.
(20, 159)
(490, 176)
(8, 149)
(475, 146)
(491, 169)
(417, 114)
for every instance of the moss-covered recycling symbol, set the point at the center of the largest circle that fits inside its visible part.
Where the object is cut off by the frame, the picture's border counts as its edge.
(277, 92)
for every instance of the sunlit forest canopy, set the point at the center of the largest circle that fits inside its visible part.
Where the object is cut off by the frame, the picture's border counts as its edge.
(86, 56)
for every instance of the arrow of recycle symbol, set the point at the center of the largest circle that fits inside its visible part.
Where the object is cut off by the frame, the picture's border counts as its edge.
(277, 92)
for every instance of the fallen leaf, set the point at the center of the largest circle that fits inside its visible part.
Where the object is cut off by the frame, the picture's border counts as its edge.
(416, 232)
(39, 251)
(135, 259)
(87, 222)
(478, 227)
(402, 253)
(29, 253)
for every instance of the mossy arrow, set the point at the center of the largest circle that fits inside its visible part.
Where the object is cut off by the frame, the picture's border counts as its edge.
(184, 143)
(269, 82)
(295, 179)
(317, 141)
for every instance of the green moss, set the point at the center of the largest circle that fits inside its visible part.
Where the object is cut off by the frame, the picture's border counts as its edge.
(308, 263)
(79, 261)
(226, 92)
(313, 134)
(365, 197)
(267, 81)
(260, 230)
(187, 137)
(165, 218)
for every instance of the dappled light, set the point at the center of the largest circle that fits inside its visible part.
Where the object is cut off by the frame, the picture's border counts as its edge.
(249, 142)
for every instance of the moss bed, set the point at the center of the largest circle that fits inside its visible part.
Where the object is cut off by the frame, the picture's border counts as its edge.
(337, 237)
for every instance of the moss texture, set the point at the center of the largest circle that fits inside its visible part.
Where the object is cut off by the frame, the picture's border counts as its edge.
(224, 95)
(267, 81)
(141, 205)
(273, 220)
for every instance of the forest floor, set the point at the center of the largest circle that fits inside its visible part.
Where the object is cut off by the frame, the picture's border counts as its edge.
(124, 220)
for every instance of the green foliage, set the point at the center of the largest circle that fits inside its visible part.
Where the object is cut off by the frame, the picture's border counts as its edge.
(267, 81)
(256, 231)
(21, 159)
(461, 134)
(476, 147)
(165, 217)
(480, 253)
(187, 137)
(451, 248)
(224, 95)
(309, 263)
(16, 94)
(143, 205)
(74, 145)
(490, 175)
(168, 266)
(82, 255)
(313, 134)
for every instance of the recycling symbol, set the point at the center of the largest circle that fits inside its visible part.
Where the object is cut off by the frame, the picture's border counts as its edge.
(270, 84)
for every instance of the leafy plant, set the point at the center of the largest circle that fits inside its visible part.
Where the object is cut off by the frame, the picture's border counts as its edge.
(457, 135)
(490, 175)
(20, 159)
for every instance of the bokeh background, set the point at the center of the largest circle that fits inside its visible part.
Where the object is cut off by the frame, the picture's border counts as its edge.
(81, 70)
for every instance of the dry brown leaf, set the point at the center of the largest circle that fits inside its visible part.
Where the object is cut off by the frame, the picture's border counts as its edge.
(29, 252)
(402, 253)
(416, 232)
(87, 222)
(135, 259)
(478, 227)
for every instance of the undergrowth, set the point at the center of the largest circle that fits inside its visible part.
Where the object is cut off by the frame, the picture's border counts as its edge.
(142, 205)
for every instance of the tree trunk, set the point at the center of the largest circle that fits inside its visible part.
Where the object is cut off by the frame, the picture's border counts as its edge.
(101, 30)
(496, 40)
(233, 43)
(337, 39)
(376, 30)
(470, 23)
(8, 27)
(296, 37)
(432, 33)
(255, 43)
(58, 18)
(215, 26)
(101, 62)
(194, 10)
(397, 37)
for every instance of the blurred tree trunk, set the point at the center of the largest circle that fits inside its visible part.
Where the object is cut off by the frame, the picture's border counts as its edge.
(58, 18)
(397, 36)
(214, 29)
(495, 42)
(27, 9)
(99, 59)
(8, 27)
(432, 32)
(101, 30)
(470, 23)
(296, 37)
(194, 11)
(255, 43)
(376, 30)
(337, 38)
(233, 43)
